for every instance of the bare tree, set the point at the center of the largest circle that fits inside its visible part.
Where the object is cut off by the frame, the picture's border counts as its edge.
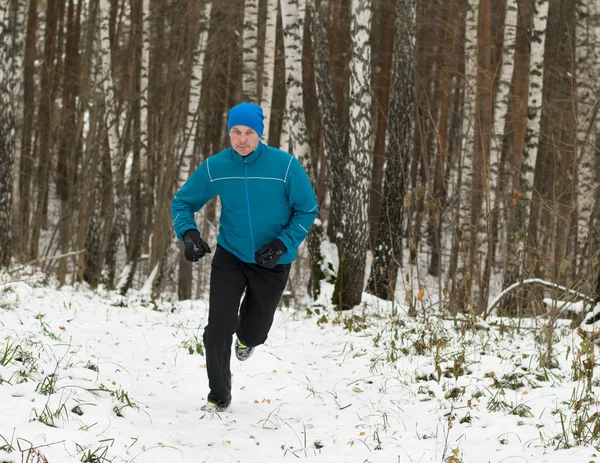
(268, 73)
(293, 13)
(343, 173)
(462, 282)
(45, 123)
(480, 233)
(444, 84)
(69, 143)
(250, 63)
(552, 207)
(588, 98)
(383, 44)
(387, 252)
(115, 152)
(138, 181)
(17, 13)
(517, 206)
(198, 31)
(7, 130)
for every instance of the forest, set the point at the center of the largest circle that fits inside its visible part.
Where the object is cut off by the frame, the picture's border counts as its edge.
(454, 141)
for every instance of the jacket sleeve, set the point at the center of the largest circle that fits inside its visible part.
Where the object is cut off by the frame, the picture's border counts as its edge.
(194, 194)
(303, 201)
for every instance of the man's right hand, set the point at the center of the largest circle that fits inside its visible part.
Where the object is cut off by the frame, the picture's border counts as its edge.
(195, 247)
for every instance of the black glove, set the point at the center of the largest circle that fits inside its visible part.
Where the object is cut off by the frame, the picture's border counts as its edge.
(269, 254)
(195, 247)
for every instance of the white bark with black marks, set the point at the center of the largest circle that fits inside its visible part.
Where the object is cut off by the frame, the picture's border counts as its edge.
(192, 122)
(347, 170)
(268, 71)
(588, 107)
(293, 13)
(387, 254)
(17, 10)
(465, 167)
(250, 51)
(360, 139)
(535, 86)
(7, 134)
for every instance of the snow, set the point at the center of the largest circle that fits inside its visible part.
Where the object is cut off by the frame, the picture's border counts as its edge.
(359, 386)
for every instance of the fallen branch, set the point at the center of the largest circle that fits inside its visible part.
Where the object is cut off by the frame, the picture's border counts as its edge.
(42, 259)
(532, 281)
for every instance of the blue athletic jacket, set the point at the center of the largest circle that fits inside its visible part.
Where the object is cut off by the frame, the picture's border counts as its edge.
(265, 195)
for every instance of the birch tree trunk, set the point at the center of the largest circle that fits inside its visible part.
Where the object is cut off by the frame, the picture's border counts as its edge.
(69, 142)
(139, 167)
(7, 131)
(268, 72)
(293, 14)
(45, 123)
(88, 227)
(22, 227)
(461, 286)
(346, 173)
(516, 119)
(502, 129)
(387, 253)
(250, 47)
(116, 219)
(17, 10)
(360, 142)
(588, 98)
(438, 187)
(189, 142)
(481, 233)
(555, 163)
(593, 257)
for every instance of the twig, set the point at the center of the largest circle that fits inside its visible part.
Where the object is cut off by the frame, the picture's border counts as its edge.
(42, 259)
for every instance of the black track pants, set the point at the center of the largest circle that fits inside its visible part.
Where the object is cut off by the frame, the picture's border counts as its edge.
(251, 321)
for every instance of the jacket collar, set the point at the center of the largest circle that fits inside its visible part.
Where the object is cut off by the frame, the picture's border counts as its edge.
(252, 157)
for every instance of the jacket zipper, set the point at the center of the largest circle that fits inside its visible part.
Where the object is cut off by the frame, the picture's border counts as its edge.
(248, 203)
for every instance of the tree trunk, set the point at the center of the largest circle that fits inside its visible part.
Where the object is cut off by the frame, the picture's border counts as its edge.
(250, 64)
(480, 235)
(554, 187)
(186, 162)
(45, 123)
(383, 44)
(114, 151)
(293, 14)
(439, 193)
(357, 179)
(268, 73)
(17, 12)
(593, 264)
(7, 130)
(69, 141)
(588, 93)
(462, 284)
(343, 173)
(387, 253)
(139, 168)
(517, 207)
(339, 14)
(22, 227)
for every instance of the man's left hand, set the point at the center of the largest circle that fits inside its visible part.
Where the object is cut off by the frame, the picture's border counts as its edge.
(269, 254)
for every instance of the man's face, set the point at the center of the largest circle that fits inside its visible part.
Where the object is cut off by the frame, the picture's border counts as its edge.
(243, 139)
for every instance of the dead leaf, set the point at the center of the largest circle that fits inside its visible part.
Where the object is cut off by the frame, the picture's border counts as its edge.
(516, 196)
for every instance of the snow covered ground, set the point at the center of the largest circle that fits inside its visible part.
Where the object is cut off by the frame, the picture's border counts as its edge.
(92, 376)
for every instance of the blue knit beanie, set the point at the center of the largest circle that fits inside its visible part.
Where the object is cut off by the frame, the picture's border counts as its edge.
(248, 114)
